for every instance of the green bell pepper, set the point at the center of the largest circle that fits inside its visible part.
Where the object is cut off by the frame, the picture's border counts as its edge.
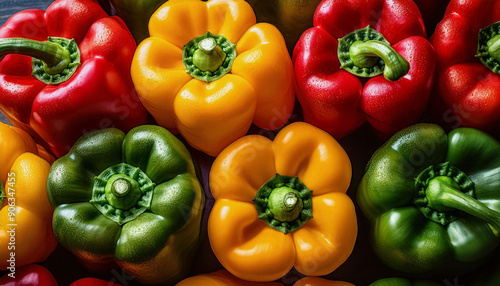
(433, 199)
(133, 199)
(403, 282)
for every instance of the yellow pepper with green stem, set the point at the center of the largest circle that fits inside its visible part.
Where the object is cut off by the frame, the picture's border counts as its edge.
(265, 219)
(209, 72)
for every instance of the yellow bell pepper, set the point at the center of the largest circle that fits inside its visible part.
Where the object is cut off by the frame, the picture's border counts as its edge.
(221, 278)
(317, 281)
(261, 226)
(209, 71)
(25, 215)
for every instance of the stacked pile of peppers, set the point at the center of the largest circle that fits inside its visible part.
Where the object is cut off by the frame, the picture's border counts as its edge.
(111, 112)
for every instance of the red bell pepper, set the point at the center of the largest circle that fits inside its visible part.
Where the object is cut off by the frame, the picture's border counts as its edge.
(79, 79)
(339, 91)
(467, 89)
(29, 275)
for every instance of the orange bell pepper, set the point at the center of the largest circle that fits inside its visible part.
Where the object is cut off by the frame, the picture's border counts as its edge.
(221, 278)
(259, 227)
(316, 281)
(209, 72)
(25, 216)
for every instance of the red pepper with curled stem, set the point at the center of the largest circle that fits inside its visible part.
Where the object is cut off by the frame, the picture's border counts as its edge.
(66, 71)
(364, 61)
(467, 89)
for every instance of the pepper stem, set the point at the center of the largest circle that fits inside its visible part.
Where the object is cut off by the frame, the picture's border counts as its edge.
(284, 203)
(56, 58)
(208, 57)
(365, 55)
(444, 194)
(121, 187)
(488, 47)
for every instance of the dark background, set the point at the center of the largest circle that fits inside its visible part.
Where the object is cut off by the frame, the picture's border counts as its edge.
(361, 268)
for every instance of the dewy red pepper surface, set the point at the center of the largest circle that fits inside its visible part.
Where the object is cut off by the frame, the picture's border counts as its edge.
(342, 83)
(467, 89)
(81, 79)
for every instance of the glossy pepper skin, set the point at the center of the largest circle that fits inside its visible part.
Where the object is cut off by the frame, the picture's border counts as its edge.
(466, 92)
(339, 101)
(25, 214)
(132, 199)
(30, 275)
(221, 278)
(433, 199)
(96, 91)
(214, 100)
(252, 245)
(291, 17)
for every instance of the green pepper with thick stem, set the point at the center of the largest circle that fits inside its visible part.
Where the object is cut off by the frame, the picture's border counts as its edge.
(133, 199)
(433, 199)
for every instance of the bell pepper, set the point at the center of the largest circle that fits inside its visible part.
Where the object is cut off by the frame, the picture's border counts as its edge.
(364, 61)
(433, 199)
(317, 281)
(93, 282)
(213, 74)
(29, 275)
(132, 199)
(221, 278)
(265, 219)
(291, 17)
(467, 89)
(25, 215)
(78, 79)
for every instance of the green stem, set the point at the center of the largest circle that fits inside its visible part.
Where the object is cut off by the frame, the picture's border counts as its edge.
(208, 57)
(54, 55)
(494, 47)
(365, 55)
(122, 193)
(488, 47)
(284, 203)
(442, 195)
(54, 61)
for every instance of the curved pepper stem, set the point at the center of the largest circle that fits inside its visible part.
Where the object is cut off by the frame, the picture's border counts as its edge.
(488, 47)
(366, 53)
(54, 61)
(284, 203)
(363, 54)
(444, 194)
